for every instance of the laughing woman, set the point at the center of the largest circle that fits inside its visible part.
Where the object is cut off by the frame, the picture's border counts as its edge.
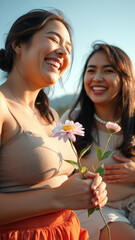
(36, 196)
(108, 94)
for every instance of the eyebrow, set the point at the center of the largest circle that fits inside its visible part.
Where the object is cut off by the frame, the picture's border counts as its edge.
(104, 66)
(51, 32)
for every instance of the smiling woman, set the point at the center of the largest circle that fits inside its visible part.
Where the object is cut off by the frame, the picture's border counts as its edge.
(36, 194)
(108, 94)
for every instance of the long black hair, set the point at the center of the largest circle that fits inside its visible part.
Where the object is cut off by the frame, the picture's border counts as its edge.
(22, 31)
(123, 66)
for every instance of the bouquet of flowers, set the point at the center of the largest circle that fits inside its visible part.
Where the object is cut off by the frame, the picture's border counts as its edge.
(67, 131)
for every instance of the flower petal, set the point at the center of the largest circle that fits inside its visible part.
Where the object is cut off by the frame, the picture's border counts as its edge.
(113, 126)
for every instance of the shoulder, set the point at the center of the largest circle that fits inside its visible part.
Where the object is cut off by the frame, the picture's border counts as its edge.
(3, 113)
(74, 114)
(3, 104)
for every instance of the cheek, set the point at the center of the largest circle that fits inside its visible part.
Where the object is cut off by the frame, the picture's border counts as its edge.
(87, 81)
(65, 65)
(47, 48)
(67, 62)
(87, 86)
(116, 83)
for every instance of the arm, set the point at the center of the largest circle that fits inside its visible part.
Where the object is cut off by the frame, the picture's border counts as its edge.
(122, 172)
(75, 193)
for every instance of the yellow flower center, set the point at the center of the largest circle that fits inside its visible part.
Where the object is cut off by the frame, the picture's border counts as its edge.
(68, 127)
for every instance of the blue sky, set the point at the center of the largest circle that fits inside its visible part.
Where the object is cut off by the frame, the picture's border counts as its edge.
(112, 21)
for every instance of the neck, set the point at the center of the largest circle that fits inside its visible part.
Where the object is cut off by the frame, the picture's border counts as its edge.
(20, 94)
(100, 120)
(110, 112)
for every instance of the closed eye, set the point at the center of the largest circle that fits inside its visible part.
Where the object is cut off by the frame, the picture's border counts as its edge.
(54, 39)
(69, 50)
(109, 70)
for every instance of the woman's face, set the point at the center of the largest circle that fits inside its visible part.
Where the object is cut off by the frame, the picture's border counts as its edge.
(101, 81)
(47, 56)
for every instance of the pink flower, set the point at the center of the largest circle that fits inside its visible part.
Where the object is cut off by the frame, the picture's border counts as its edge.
(68, 130)
(113, 127)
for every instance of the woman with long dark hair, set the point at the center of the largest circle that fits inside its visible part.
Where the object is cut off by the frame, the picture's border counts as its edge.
(36, 196)
(108, 94)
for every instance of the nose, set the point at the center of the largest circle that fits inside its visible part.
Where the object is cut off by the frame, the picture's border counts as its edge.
(62, 52)
(98, 77)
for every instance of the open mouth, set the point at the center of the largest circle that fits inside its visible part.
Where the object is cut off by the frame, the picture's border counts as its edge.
(55, 64)
(98, 89)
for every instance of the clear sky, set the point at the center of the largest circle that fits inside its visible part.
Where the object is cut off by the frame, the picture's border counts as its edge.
(112, 21)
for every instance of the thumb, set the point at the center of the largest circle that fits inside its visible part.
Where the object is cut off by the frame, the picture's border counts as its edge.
(91, 175)
(120, 159)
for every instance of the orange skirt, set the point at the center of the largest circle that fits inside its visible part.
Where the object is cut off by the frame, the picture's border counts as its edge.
(62, 225)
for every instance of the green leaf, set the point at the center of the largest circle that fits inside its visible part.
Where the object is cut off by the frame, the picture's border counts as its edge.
(92, 210)
(99, 152)
(72, 162)
(106, 155)
(84, 150)
(101, 171)
(84, 170)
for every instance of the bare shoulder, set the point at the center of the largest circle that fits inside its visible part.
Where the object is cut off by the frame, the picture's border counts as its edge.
(3, 106)
(3, 113)
(55, 114)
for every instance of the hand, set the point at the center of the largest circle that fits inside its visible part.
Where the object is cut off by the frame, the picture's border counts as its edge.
(122, 172)
(99, 192)
(77, 192)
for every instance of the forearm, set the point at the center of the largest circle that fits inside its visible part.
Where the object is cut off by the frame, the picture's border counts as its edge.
(19, 206)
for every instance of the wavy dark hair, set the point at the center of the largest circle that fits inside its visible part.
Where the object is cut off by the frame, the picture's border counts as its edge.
(123, 66)
(22, 31)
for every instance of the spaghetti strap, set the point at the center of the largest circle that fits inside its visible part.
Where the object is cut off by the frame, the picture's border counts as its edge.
(20, 126)
(14, 117)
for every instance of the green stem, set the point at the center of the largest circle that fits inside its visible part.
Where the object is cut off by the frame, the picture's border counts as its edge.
(109, 233)
(73, 147)
(78, 160)
(100, 210)
(106, 144)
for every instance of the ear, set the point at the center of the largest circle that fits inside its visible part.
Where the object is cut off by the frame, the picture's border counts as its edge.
(17, 47)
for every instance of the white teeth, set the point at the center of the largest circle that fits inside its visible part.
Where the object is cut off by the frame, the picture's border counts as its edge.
(54, 63)
(98, 88)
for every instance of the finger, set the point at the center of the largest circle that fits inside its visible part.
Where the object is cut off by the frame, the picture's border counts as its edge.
(101, 204)
(96, 182)
(116, 181)
(101, 200)
(111, 177)
(91, 175)
(121, 159)
(113, 172)
(99, 190)
(102, 196)
(114, 166)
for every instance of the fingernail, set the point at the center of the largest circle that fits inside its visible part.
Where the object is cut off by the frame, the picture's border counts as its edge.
(96, 203)
(97, 192)
(93, 200)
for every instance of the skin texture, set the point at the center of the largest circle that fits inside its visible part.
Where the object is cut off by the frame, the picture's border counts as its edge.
(102, 85)
(123, 172)
(32, 71)
(118, 231)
